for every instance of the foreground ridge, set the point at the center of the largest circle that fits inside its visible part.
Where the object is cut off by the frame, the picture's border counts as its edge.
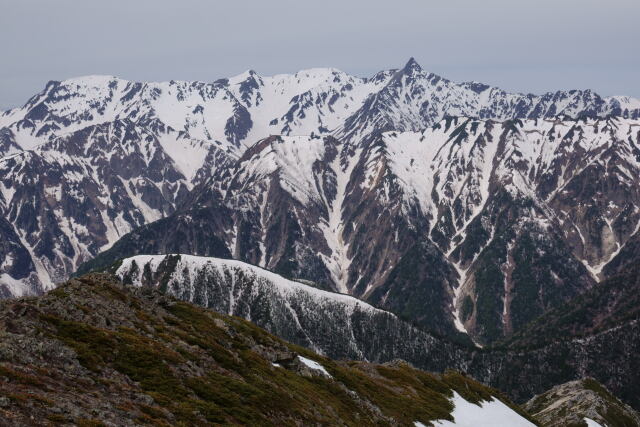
(94, 351)
(584, 402)
(340, 326)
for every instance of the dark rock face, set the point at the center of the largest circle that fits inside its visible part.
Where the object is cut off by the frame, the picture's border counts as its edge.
(523, 269)
(17, 264)
(606, 356)
(628, 257)
(610, 303)
(418, 288)
(8, 144)
(595, 334)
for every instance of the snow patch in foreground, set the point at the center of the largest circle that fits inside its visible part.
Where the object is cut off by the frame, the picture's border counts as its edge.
(312, 364)
(491, 414)
(591, 423)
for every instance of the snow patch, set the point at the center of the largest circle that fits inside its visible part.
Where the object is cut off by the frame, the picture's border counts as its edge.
(457, 292)
(187, 155)
(15, 286)
(493, 413)
(338, 262)
(592, 423)
(312, 364)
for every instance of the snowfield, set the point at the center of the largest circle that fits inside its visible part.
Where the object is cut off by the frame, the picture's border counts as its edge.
(489, 414)
(312, 364)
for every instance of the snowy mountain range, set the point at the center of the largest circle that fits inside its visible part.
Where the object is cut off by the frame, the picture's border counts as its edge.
(234, 113)
(368, 186)
(480, 226)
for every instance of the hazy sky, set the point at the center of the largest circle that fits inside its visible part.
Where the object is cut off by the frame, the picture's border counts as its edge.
(525, 46)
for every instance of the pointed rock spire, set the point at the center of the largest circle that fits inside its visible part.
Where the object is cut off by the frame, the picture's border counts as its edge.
(412, 66)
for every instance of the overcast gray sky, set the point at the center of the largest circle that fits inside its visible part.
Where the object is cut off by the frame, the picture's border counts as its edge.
(525, 46)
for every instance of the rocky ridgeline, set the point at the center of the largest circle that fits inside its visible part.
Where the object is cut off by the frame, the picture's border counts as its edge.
(571, 404)
(95, 352)
(341, 326)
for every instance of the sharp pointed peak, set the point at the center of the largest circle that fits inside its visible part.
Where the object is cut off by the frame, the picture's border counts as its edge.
(412, 65)
(411, 70)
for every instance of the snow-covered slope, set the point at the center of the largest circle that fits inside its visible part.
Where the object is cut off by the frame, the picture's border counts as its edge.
(414, 99)
(189, 271)
(71, 197)
(230, 112)
(238, 111)
(491, 413)
(333, 324)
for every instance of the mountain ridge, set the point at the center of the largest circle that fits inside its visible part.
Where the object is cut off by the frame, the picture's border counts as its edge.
(458, 192)
(321, 320)
(94, 351)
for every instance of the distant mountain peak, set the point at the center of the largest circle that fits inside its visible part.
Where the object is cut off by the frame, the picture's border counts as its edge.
(412, 65)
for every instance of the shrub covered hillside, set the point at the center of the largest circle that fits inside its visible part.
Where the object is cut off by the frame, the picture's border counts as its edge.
(95, 352)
